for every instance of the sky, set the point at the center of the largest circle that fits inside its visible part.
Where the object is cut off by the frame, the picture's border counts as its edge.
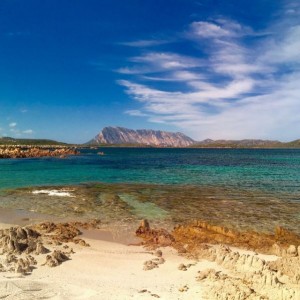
(219, 69)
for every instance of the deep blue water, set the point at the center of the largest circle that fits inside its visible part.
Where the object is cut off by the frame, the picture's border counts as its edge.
(266, 170)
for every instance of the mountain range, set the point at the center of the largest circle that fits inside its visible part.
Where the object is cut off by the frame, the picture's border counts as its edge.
(156, 138)
(120, 136)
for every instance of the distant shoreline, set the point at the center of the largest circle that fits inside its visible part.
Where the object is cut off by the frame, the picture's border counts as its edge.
(33, 151)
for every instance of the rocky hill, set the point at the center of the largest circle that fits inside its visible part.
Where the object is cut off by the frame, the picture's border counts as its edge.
(247, 143)
(39, 142)
(157, 138)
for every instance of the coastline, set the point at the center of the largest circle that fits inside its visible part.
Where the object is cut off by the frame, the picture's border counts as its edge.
(152, 265)
(34, 151)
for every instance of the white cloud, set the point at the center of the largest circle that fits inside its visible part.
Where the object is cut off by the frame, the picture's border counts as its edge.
(13, 124)
(210, 30)
(181, 75)
(220, 28)
(240, 90)
(160, 62)
(28, 131)
(135, 113)
(285, 49)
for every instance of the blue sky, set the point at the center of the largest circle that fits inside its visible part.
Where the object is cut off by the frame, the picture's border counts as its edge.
(208, 68)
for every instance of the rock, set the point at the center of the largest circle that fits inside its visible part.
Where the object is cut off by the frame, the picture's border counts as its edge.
(159, 260)
(22, 266)
(56, 258)
(183, 289)
(158, 253)
(182, 267)
(149, 265)
(197, 233)
(292, 251)
(21, 233)
(143, 228)
(40, 249)
(276, 250)
(26, 151)
(253, 278)
(154, 237)
(206, 274)
(81, 242)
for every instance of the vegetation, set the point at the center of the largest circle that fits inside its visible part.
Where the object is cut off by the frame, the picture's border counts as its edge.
(28, 142)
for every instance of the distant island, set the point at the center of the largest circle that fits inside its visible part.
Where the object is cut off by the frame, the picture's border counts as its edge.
(120, 136)
(149, 137)
(124, 137)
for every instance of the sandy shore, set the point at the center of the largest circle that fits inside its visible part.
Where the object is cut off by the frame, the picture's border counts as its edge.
(106, 270)
(109, 270)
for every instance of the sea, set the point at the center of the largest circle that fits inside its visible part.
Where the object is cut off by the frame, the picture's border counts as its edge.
(248, 189)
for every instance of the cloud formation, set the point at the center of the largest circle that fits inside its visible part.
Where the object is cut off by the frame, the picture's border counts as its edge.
(243, 84)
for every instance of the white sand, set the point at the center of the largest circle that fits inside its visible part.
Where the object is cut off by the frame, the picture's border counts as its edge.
(109, 270)
(106, 270)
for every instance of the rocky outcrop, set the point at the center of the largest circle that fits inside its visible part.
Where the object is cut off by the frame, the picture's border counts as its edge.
(246, 276)
(192, 238)
(120, 135)
(197, 233)
(20, 245)
(154, 238)
(35, 151)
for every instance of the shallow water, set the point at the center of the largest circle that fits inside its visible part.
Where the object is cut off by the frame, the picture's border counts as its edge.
(248, 189)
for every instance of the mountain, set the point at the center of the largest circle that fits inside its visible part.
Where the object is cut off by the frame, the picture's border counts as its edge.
(120, 135)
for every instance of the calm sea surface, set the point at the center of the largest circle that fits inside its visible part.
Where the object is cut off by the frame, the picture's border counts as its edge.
(179, 183)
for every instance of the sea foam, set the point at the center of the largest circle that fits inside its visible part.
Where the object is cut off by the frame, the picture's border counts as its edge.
(59, 193)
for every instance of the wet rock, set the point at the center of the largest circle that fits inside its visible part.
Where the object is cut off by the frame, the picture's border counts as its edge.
(154, 237)
(143, 228)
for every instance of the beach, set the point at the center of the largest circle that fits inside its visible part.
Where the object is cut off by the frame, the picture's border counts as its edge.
(134, 224)
(153, 263)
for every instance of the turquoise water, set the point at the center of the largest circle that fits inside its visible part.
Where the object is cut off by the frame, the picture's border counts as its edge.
(246, 189)
(270, 171)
